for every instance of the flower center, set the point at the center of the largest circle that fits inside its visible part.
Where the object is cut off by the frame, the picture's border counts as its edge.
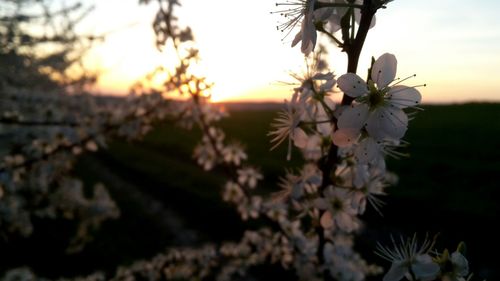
(375, 99)
(337, 204)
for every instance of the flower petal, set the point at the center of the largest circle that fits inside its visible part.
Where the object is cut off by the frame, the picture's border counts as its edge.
(308, 43)
(396, 272)
(323, 76)
(309, 35)
(367, 151)
(297, 39)
(352, 85)
(320, 203)
(403, 96)
(353, 117)
(328, 85)
(424, 268)
(326, 220)
(384, 70)
(345, 221)
(312, 150)
(387, 122)
(345, 137)
(359, 202)
(460, 263)
(325, 129)
(323, 14)
(299, 138)
(333, 24)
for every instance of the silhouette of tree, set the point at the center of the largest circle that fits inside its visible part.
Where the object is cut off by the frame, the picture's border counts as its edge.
(39, 47)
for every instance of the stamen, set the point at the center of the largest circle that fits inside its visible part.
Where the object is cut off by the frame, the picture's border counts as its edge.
(399, 80)
(376, 203)
(294, 15)
(415, 86)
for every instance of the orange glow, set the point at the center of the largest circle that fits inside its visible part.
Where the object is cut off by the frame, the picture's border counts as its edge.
(243, 55)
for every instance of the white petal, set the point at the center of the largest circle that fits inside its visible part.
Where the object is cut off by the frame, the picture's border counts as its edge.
(330, 192)
(344, 221)
(361, 175)
(307, 46)
(297, 39)
(325, 129)
(373, 22)
(342, 11)
(328, 85)
(299, 138)
(384, 70)
(326, 220)
(321, 203)
(353, 117)
(323, 76)
(359, 202)
(403, 96)
(387, 122)
(331, 104)
(345, 137)
(308, 35)
(312, 150)
(328, 252)
(396, 272)
(334, 23)
(297, 191)
(367, 151)
(424, 268)
(460, 263)
(323, 14)
(352, 85)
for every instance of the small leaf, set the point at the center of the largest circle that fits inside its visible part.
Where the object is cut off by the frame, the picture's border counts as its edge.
(461, 248)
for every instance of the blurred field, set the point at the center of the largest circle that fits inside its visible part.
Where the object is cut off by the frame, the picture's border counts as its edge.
(448, 185)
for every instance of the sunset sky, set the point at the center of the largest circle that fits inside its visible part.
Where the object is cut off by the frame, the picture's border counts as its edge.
(452, 45)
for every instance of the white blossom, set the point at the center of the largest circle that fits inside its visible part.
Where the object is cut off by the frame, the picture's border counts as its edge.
(409, 258)
(286, 127)
(234, 154)
(233, 192)
(249, 176)
(338, 209)
(459, 268)
(379, 105)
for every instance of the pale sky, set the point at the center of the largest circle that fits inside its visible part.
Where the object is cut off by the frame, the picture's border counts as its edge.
(452, 45)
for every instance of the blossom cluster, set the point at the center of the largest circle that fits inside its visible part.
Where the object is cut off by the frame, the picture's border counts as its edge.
(42, 144)
(311, 222)
(422, 262)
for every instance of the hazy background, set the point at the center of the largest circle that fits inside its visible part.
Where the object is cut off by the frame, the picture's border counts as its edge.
(452, 45)
(448, 185)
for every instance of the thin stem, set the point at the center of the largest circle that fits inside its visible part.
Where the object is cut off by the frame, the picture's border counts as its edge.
(353, 24)
(315, 122)
(328, 110)
(328, 163)
(353, 50)
(337, 41)
(108, 128)
(205, 127)
(28, 123)
(319, 5)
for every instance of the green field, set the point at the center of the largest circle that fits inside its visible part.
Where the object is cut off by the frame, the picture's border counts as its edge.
(448, 185)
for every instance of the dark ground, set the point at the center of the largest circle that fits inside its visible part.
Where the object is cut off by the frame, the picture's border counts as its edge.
(448, 185)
